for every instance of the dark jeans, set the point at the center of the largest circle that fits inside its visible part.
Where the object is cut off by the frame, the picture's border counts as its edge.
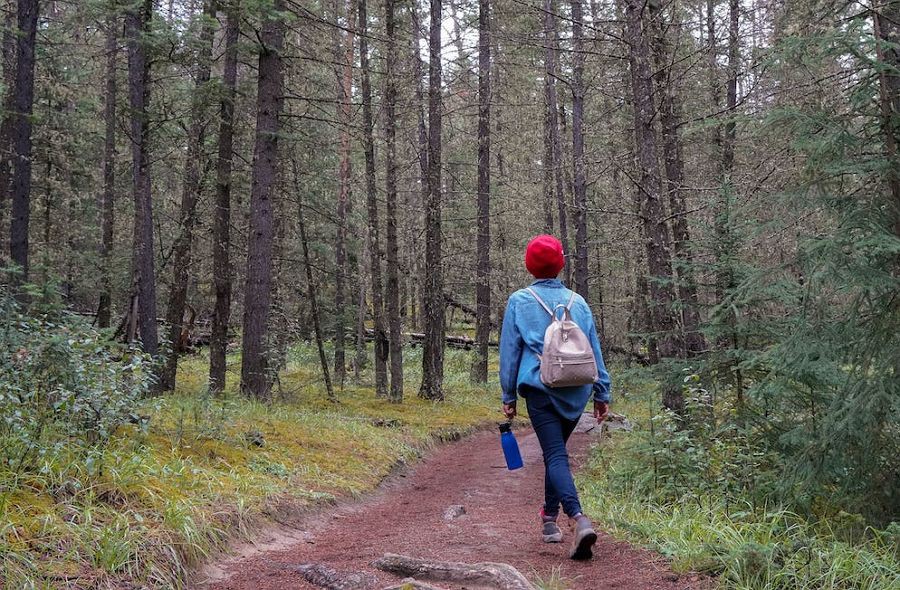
(553, 431)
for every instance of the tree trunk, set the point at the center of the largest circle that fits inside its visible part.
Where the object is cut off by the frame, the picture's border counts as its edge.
(393, 271)
(343, 43)
(361, 357)
(580, 181)
(552, 144)
(655, 231)
(137, 24)
(190, 193)
(381, 339)
(433, 347)
(887, 30)
(20, 136)
(218, 344)
(108, 199)
(670, 120)
(550, 115)
(255, 379)
(9, 80)
(311, 291)
(483, 265)
(417, 295)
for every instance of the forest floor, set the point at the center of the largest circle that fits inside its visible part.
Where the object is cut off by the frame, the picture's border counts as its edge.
(408, 516)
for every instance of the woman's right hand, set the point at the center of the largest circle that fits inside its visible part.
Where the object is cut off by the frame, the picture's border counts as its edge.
(509, 410)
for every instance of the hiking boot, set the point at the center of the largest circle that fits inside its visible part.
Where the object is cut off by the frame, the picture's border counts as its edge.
(585, 537)
(550, 531)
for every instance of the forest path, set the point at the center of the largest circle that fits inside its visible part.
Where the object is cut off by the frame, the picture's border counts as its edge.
(406, 516)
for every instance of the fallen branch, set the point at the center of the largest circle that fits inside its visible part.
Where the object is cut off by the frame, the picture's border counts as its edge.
(329, 579)
(492, 575)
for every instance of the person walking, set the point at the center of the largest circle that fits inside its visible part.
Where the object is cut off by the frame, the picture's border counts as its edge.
(554, 411)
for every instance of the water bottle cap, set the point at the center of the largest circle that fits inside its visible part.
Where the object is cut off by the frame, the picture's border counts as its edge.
(505, 427)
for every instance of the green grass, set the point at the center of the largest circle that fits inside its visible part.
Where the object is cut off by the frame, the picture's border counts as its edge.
(747, 547)
(160, 499)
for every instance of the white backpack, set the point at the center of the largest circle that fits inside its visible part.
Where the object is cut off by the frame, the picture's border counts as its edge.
(568, 358)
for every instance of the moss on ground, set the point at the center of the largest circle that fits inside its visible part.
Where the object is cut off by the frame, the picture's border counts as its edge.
(165, 495)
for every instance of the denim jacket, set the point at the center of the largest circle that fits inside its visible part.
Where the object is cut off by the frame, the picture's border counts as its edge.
(522, 340)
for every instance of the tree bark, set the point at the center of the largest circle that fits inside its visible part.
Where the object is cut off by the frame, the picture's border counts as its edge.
(393, 270)
(580, 181)
(190, 194)
(670, 120)
(137, 24)
(343, 43)
(218, 344)
(492, 575)
(886, 22)
(255, 378)
(483, 264)
(108, 198)
(9, 80)
(434, 312)
(655, 231)
(381, 339)
(20, 136)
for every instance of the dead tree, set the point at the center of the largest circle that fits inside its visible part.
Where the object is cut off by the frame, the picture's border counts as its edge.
(580, 179)
(108, 198)
(433, 349)
(670, 115)
(655, 230)
(343, 71)
(483, 264)
(381, 340)
(190, 194)
(390, 181)
(311, 290)
(222, 219)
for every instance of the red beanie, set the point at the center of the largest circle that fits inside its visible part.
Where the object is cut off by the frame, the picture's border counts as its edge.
(544, 257)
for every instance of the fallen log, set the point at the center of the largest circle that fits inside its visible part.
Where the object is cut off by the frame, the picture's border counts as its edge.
(415, 338)
(330, 579)
(491, 575)
(469, 311)
(412, 584)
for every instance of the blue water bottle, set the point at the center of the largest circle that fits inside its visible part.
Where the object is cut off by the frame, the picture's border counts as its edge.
(510, 447)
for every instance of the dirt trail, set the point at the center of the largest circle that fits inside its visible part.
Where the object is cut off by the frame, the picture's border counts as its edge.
(501, 524)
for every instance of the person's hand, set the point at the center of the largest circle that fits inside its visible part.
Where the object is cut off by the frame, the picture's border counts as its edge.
(601, 411)
(509, 410)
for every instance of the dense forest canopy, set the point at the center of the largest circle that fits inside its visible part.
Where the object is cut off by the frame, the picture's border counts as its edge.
(246, 174)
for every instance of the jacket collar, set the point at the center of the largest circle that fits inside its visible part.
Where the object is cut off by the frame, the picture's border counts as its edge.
(551, 283)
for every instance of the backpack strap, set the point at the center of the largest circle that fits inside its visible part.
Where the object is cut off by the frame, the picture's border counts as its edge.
(539, 300)
(571, 301)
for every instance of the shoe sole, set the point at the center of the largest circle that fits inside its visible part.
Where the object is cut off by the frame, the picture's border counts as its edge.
(582, 548)
(556, 538)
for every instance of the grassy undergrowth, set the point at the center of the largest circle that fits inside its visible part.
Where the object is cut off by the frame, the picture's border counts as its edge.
(748, 545)
(197, 471)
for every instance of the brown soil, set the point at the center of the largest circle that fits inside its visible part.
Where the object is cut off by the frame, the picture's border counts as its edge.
(500, 524)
